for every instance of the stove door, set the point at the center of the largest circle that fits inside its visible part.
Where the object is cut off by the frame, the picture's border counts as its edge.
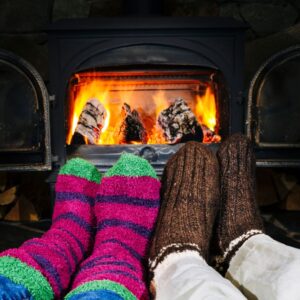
(24, 116)
(274, 109)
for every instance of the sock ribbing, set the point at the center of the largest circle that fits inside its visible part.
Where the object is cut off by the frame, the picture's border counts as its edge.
(190, 200)
(239, 216)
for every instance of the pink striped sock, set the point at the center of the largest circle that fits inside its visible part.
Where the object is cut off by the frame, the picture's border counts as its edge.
(44, 265)
(126, 208)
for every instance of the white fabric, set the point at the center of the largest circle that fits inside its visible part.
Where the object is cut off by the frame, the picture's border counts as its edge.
(186, 276)
(265, 269)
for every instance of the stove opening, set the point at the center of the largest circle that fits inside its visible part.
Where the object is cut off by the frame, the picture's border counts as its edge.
(144, 107)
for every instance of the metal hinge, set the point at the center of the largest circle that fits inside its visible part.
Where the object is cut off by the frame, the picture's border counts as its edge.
(54, 158)
(52, 99)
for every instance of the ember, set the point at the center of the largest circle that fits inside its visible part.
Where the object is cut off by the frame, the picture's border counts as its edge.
(141, 111)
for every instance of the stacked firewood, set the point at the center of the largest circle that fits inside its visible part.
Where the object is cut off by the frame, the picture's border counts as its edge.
(177, 123)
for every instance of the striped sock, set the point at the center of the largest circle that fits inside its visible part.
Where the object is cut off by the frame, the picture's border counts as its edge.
(126, 209)
(44, 265)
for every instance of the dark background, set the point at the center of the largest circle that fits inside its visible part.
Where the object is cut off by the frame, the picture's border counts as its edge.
(274, 24)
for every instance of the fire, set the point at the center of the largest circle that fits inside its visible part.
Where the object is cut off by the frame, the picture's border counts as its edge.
(206, 109)
(147, 98)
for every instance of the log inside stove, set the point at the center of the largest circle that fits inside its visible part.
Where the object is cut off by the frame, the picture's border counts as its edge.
(177, 124)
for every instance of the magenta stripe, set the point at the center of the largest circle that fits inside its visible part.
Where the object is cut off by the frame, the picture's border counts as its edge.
(119, 224)
(69, 183)
(73, 228)
(58, 262)
(143, 187)
(68, 244)
(119, 233)
(73, 207)
(127, 213)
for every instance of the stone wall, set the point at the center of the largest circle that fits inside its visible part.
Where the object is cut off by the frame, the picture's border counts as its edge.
(273, 24)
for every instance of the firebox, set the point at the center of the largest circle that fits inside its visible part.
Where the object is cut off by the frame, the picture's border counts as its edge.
(143, 85)
(143, 107)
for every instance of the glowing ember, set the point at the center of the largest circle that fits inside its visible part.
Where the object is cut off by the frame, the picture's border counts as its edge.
(148, 99)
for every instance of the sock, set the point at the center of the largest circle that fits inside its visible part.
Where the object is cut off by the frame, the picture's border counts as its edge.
(44, 265)
(190, 200)
(126, 209)
(239, 217)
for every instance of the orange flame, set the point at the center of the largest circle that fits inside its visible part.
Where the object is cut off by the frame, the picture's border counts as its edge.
(206, 109)
(149, 102)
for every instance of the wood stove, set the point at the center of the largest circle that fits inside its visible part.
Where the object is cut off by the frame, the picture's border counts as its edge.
(140, 70)
(148, 64)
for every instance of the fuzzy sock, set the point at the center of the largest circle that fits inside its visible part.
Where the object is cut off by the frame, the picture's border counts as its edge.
(44, 265)
(126, 208)
(190, 200)
(239, 217)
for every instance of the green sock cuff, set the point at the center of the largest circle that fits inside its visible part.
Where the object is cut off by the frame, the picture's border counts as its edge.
(30, 278)
(103, 285)
(81, 168)
(131, 165)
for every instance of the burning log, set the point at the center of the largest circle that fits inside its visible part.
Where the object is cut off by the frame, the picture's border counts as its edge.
(209, 135)
(90, 124)
(132, 128)
(179, 124)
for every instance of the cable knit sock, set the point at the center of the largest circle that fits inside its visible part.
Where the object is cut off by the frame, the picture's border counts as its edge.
(239, 217)
(190, 200)
(126, 209)
(43, 266)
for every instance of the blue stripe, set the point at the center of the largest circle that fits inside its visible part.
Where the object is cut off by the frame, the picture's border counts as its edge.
(123, 245)
(61, 254)
(124, 273)
(48, 267)
(139, 229)
(128, 201)
(76, 219)
(63, 239)
(67, 196)
(87, 261)
(96, 295)
(98, 262)
(75, 238)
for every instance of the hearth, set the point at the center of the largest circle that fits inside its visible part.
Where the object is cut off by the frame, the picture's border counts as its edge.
(119, 83)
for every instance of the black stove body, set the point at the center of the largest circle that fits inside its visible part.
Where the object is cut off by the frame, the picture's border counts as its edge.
(212, 45)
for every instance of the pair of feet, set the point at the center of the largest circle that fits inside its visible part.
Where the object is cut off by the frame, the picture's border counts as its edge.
(198, 191)
(208, 202)
(100, 233)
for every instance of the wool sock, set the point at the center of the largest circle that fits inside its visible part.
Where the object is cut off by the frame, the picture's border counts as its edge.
(44, 265)
(239, 217)
(190, 200)
(126, 208)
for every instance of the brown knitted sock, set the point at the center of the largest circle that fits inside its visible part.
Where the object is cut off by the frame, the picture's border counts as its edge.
(190, 200)
(239, 217)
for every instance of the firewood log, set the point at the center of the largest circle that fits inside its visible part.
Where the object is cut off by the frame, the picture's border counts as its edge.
(209, 135)
(131, 128)
(90, 123)
(179, 123)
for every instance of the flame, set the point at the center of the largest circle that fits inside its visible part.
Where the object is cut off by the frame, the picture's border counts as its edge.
(206, 109)
(148, 102)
